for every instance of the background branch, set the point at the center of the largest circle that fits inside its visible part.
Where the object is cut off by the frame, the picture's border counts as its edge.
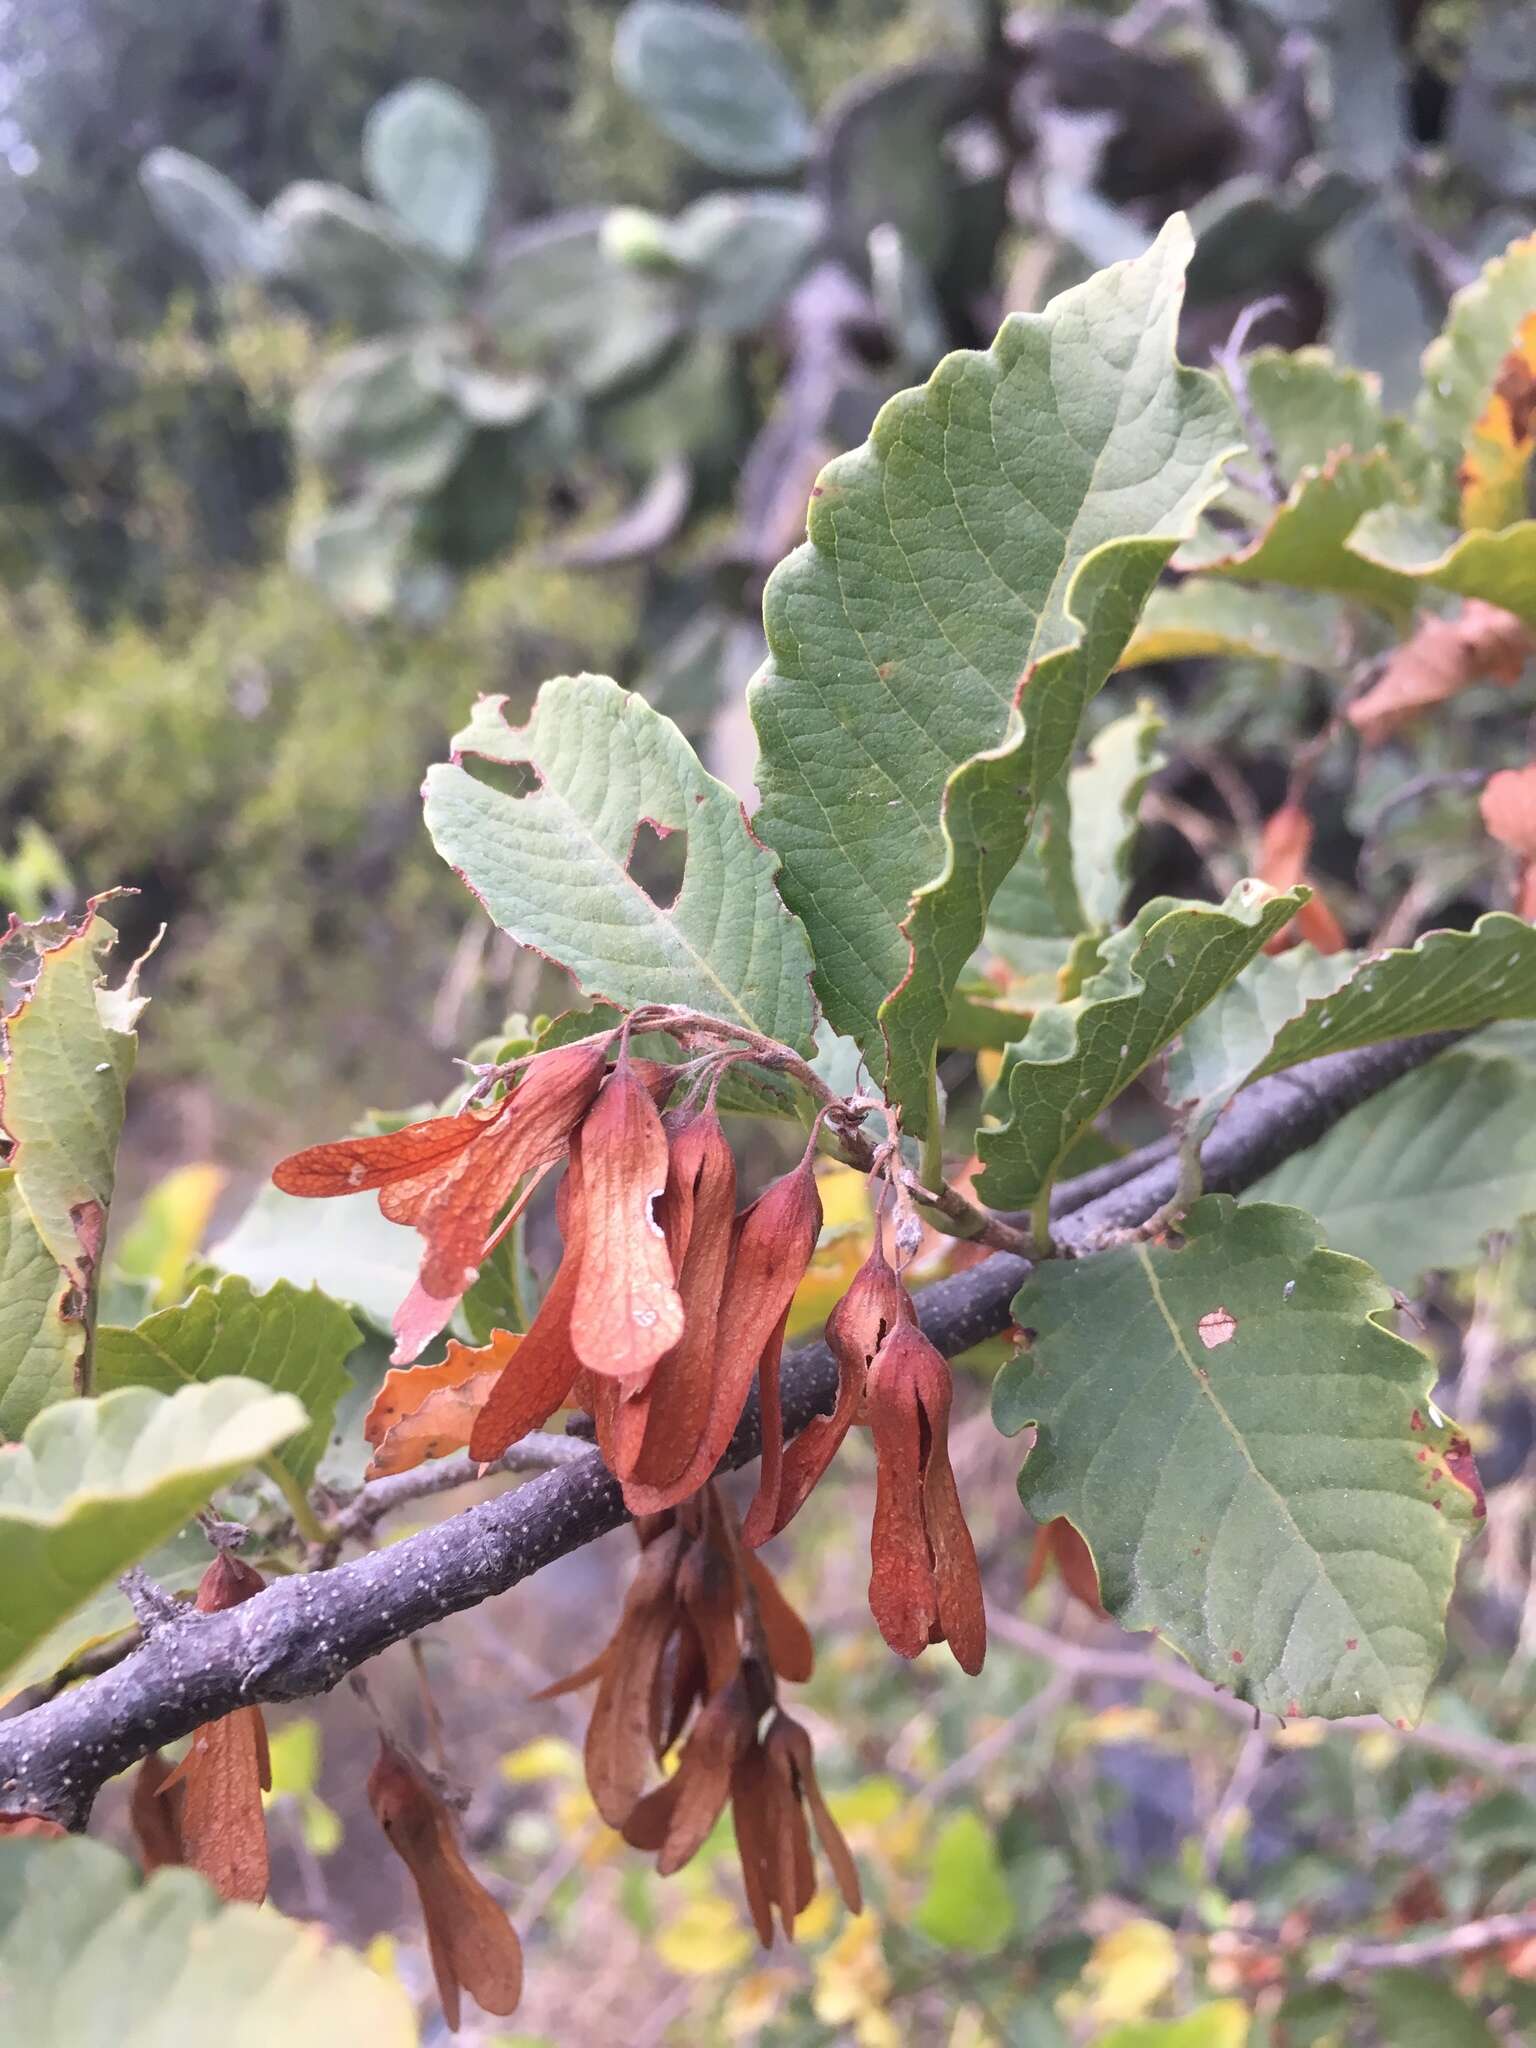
(303, 1634)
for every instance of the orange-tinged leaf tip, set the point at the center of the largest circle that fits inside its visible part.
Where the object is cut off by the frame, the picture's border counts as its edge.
(429, 1411)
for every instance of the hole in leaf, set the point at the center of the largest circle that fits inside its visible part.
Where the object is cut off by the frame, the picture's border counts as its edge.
(656, 862)
(512, 778)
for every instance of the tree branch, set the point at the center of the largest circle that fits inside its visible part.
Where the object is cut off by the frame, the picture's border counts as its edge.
(303, 1634)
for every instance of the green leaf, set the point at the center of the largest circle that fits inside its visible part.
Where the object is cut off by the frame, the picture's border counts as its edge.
(1239, 1439)
(1461, 364)
(1304, 544)
(1497, 565)
(360, 1257)
(296, 1343)
(712, 85)
(882, 161)
(967, 1904)
(552, 867)
(95, 1484)
(1415, 2010)
(357, 555)
(995, 538)
(429, 156)
(745, 250)
(1302, 1003)
(177, 1566)
(1076, 1057)
(206, 213)
(1312, 406)
(1415, 1179)
(1222, 2025)
(1201, 615)
(1071, 878)
(1249, 231)
(66, 1051)
(41, 1332)
(352, 262)
(91, 1957)
(561, 304)
(381, 412)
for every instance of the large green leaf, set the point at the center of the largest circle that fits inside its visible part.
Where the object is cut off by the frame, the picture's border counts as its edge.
(1076, 1057)
(967, 1904)
(990, 545)
(66, 1052)
(95, 1484)
(1415, 1179)
(294, 1342)
(1416, 2010)
(552, 866)
(1251, 1455)
(1294, 1007)
(712, 85)
(92, 1958)
(360, 1257)
(1497, 565)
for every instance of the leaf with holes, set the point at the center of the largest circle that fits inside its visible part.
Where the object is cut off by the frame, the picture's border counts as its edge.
(89, 1954)
(1251, 1455)
(66, 1052)
(1076, 1057)
(295, 1342)
(93, 1485)
(1414, 1180)
(552, 866)
(1407, 541)
(1291, 1008)
(990, 546)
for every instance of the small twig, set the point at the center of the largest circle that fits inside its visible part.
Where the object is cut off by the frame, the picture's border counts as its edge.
(537, 1452)
(1467, 1940)
(152, 1605)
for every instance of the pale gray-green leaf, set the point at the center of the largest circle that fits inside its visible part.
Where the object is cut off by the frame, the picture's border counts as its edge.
(90, 1957)
(429, 156)
(95, 1484)
(711, 84)
(552, 866)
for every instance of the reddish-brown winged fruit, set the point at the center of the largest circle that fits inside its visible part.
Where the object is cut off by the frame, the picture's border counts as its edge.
(627, 1311)
(539, 1378)
(155, 1814)
(925, 1586)
(221, 1827)
(658, 1430)
(771, 1247)
(451, 1177)
(874, 1304)
(473, 1945)
(1058, 1546)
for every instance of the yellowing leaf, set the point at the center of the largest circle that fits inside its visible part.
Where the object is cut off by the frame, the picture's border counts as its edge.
(852, 1985)
(707, 1936)
(547, 1756)
(1222, 2025)
(429, 1411)
(1128, 1972)
(169, 1229)
(1497, 458)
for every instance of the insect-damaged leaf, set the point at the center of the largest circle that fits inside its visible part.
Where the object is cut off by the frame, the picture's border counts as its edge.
(1076, 1057)
(1281, 1011)
(89, 1955)
(66, 1051)
(552, 867)
(999, 531)
(1278, 1504)
(95, 1484)
(291, 1341)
